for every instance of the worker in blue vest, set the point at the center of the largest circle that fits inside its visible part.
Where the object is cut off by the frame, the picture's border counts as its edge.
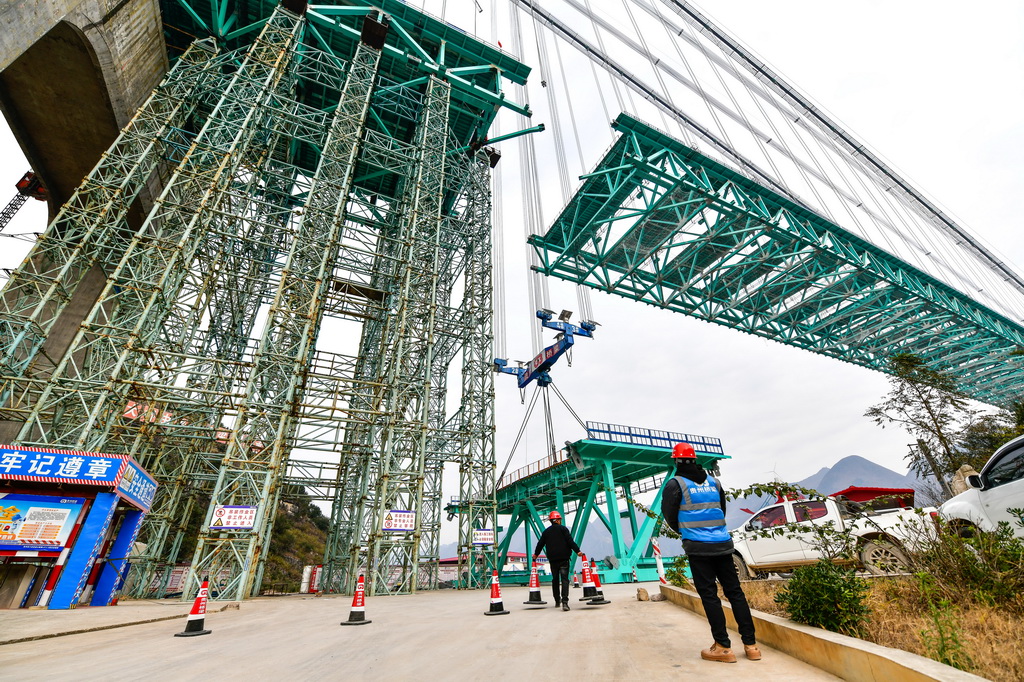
(693, 504)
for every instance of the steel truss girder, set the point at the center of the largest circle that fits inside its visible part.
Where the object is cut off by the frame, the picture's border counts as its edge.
(661, 223)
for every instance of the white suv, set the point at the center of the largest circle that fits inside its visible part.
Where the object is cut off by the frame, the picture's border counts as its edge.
(997, 489)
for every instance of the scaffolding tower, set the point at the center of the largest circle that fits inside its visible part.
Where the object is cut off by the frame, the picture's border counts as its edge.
(278, 260)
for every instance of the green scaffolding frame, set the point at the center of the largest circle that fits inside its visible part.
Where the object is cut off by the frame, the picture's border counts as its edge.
(317, 171)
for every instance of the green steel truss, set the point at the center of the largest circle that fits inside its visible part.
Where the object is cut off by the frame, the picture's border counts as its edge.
(273, 269)
(252, 466)
(659, 222)
(600, 476)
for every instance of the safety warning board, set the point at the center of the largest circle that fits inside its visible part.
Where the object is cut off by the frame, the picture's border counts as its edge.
(483, 536)
(233, 517)
(400, 520)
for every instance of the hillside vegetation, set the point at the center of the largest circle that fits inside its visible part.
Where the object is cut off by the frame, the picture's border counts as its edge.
(300, 533)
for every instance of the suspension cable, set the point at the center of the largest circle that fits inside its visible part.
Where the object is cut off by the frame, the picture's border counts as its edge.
(549, 426)
(872, 163)
(519, 437)
(568, 406)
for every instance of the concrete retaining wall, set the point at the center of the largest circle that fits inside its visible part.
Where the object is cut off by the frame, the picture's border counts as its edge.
(847, 657)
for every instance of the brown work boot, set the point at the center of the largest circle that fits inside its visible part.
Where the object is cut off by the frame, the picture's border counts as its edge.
(752, 652)
(719, 653)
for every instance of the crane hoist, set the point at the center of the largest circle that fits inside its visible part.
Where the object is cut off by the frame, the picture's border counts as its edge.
(538, 368)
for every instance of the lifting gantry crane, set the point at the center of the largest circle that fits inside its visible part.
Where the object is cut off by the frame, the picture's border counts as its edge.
(535, 370)
(539, 366)
(539, 369)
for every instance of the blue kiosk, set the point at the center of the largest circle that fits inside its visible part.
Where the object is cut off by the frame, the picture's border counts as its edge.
(68, 521)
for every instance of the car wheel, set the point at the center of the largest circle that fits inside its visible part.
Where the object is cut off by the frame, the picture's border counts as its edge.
(883, 558)
(741, 567)
(744, 571)
(965, 530)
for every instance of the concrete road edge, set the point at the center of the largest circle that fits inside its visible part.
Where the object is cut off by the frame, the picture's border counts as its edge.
(846, 657)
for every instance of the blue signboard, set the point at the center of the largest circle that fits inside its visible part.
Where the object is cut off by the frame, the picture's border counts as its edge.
(137, 486)
(37, 522)
(83, 468)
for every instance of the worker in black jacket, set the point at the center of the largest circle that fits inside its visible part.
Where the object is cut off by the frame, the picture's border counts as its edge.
(560, 544)
(693, 504)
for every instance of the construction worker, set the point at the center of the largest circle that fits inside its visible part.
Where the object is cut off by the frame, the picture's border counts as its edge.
(560, 544)
(693, 504)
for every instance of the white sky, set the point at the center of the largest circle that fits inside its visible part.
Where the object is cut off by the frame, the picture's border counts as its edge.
(935, 89)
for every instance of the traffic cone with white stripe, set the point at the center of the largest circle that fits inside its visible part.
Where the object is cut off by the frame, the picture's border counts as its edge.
(589, 592)
(497, 608)
(197, 616)
(634, 575)
(576, 579)
(599, 596)
(357, 616)
(535, 599)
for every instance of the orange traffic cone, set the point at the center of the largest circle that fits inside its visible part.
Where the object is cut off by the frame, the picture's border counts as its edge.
(588, 581)
(575, 579)
(535, 599)
(497, 608)
(357, 616)
(599, 595)
(197, 616)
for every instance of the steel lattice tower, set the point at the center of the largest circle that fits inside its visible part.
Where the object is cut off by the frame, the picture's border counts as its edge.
(278, 261)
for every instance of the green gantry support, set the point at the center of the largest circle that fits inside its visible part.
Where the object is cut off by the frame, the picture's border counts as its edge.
(300, 182)
(592, 478)
(659, 222)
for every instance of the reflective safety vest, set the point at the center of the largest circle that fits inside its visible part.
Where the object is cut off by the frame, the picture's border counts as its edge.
(701, 518)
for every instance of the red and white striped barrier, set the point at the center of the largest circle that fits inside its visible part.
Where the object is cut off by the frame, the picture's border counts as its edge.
(657, 559)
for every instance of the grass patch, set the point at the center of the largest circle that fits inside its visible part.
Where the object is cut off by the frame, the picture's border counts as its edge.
(975, 637)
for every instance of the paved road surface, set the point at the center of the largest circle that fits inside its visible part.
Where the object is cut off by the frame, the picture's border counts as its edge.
(429, 636)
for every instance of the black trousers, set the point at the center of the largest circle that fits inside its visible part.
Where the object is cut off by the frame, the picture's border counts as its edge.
(706, 571)
(560, 580)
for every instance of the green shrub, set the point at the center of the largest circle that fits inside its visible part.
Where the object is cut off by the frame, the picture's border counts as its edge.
(987, 568)
(826, 596)
(942, 638)
(676, 573)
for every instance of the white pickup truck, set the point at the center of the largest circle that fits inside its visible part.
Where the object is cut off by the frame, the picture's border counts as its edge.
(991, 495)
(878, 537)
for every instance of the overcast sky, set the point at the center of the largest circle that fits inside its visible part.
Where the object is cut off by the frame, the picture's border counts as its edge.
(934, 88)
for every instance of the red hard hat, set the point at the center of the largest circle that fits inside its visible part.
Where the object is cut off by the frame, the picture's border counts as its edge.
(554, 515)
(683, 451)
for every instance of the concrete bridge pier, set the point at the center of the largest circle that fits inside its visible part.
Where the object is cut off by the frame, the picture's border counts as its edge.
(71, 76)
